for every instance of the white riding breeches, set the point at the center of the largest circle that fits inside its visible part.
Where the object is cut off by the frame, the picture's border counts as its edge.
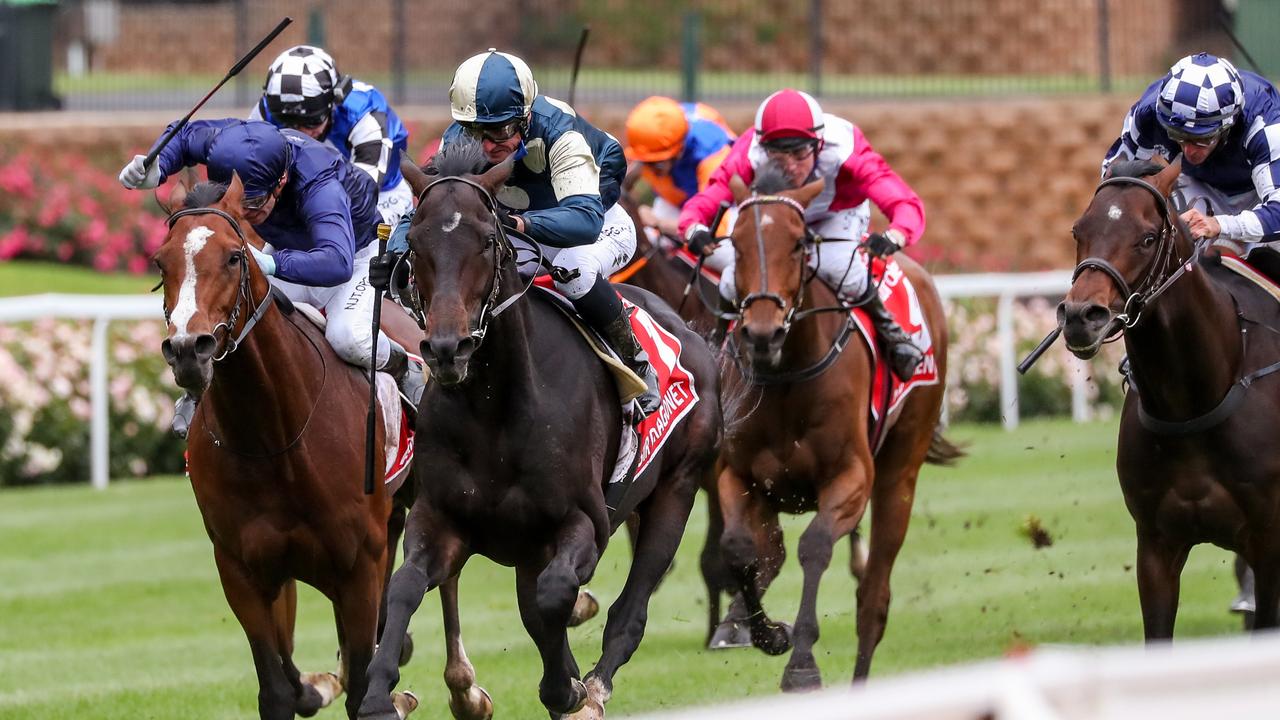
(394, 203)
(611, 251)
(348, 310)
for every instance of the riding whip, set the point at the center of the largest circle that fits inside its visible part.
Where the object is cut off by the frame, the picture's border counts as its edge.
(577, 62)
(1034, 355)
(235, 70)
(384, 232)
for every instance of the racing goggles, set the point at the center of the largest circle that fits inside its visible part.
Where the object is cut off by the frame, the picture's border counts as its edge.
(795, 152)
(256, 203)
(496, 133)
(1203, 140)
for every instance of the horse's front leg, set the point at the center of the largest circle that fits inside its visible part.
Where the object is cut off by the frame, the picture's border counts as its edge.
(467, 700)
(254, 610)
(546, 596)
(1266, 588)
(433, 554)
(357, 602)
(749, 528)
(840, 507)
(1159, 572)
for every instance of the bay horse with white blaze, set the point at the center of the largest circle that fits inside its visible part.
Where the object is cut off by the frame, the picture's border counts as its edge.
(276, 455)
(1195, 454)
(806, 445)
(521, 426)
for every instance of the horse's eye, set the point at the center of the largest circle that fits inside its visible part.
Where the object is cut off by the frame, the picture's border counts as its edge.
(1148, 239)
(235, 259)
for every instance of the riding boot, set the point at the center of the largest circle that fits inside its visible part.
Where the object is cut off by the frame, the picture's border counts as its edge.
(623, 341)
(184, 411)
(408, 373)
(903, 355)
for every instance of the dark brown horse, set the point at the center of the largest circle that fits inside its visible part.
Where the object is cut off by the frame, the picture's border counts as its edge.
(1201, 415)
(806, 445)
(276, 455)
(521, 428)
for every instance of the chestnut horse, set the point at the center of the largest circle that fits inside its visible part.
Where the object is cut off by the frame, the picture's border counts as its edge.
(806, 445)
(1201, 412)
(276, 455)
(521, 428)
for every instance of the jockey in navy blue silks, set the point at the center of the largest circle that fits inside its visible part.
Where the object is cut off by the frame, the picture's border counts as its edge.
(316, 211)
(305, 91)
(562, 193)
(1226, 126)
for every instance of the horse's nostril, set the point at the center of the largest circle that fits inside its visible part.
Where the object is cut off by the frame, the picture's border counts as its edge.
(166, 349)
(1097, 314)
(1062, 313)
(204, 346)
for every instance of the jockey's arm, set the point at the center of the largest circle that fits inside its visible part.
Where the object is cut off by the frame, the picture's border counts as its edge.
(372, 148)
(190, 146)
(1263, 219)
(329, 260)
(575, 179)
(895, 198)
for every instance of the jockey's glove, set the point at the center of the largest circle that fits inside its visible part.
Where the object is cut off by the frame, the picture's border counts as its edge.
(137, 176)
(380, 269)
(886, 243)
(265, 261)
(700, 239)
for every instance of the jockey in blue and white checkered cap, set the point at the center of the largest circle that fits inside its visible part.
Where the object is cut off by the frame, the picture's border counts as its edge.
(1226, 126)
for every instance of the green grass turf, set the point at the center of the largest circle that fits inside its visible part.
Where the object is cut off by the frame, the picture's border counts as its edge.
(25, 277)
(110, 606)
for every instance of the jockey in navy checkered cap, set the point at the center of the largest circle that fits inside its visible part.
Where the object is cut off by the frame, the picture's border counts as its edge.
(1225, 125)
(316, 211)
(305, 91)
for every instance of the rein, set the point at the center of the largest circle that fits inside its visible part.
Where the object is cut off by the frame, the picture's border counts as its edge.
(500, 241)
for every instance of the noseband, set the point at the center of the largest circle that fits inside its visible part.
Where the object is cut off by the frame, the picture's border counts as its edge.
(1159, 273)
(245, 294)
(504, 250)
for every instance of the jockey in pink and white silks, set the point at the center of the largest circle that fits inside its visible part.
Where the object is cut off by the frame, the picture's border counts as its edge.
(792, 132)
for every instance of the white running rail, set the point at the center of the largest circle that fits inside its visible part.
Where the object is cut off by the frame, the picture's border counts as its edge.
(103, 309)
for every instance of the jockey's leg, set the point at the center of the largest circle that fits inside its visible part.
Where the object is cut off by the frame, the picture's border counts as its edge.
(726, 258)
(587, 269)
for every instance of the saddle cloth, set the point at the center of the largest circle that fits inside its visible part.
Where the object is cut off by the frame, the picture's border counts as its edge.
(641, 442)
(1262, 268)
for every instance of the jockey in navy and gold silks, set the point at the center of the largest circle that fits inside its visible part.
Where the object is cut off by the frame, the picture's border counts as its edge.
(562, 193)
(317, 212)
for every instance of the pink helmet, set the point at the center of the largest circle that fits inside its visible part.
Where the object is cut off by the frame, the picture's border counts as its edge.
(789, 114)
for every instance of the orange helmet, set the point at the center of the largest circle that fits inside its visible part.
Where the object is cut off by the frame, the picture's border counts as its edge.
(656, 130)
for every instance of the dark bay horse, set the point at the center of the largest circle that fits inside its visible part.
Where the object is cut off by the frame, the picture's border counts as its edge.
(521, 427)
(276, 455)
(1195, 457)
(806, 446)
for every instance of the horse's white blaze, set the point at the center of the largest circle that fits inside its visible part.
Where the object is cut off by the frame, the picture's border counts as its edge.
(453, 222)
(766, 221)
(185, 307)
(1114, 213)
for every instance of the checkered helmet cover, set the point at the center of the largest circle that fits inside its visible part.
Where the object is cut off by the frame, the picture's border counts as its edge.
(1202, 95)
(300, 84)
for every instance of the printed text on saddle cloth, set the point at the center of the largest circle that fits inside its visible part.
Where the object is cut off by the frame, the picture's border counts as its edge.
(899, 297)
(679, 395)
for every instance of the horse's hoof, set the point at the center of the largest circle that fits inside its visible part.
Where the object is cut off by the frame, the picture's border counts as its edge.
(772, 638)
(801, 679)
(406, 650)
(379, 708)
(404, 703)
(598, 691)
(473, 704)
(730, 634)
(324, 689)
(592, 710)
(584, 608)
(577, 698)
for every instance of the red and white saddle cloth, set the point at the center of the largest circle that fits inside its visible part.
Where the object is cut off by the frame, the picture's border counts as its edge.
(640, 444)
(899, 298)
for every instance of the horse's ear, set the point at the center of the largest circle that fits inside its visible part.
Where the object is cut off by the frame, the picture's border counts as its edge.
(739, 189)
(805, 194)
(234, 195)
(1166, 178)
(417, 179)
(495, 176)
(177, 196)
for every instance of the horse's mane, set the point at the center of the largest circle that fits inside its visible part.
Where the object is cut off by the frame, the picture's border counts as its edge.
(1135, 168)
(771, 179)
(204, 194)
(460, 157)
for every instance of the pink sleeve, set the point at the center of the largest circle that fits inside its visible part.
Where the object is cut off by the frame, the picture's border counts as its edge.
(701, 208)
(866, 174)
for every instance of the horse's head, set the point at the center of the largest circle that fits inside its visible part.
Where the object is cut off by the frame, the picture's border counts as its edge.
(458, 251)
(209, 281)
(769, 239)
(1127, 243)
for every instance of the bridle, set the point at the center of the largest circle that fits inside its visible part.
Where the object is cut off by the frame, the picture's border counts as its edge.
(504, 250)
(789, 308)
(245, 292)
(1160, 272)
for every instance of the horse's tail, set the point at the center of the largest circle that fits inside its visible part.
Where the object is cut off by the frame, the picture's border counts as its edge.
(942, 451)
(738, 396)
